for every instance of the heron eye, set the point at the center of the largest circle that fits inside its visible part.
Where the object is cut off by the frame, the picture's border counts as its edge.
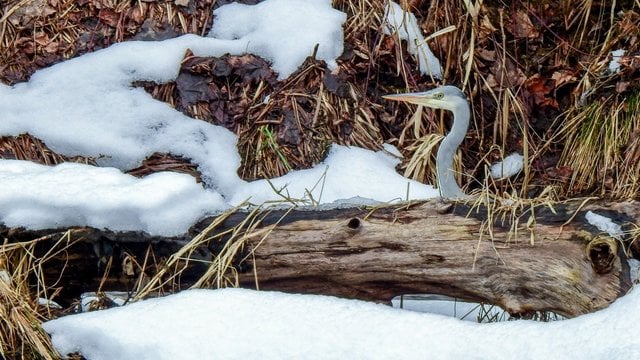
(438, 95)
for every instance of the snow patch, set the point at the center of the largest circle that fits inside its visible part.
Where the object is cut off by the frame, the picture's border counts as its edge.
(200, 324)
(48, 303)
(283, 31)
(604, 224)
(511, 165)
(614, 64)
(39, 197)
(404, 23)
(345, 173)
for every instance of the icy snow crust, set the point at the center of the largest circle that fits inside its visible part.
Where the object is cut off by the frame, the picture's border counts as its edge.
(246, 324)
(87, 106)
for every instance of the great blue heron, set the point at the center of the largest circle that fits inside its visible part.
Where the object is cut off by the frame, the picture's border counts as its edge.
(452, 99)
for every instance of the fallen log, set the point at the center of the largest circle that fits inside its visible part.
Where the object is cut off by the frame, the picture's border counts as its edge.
(535, 259)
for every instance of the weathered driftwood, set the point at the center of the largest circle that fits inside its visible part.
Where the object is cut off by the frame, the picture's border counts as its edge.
(554, 261)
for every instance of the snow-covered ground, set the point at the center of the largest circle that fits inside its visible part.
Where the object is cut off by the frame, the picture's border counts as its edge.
(87, 106)
(246, 324)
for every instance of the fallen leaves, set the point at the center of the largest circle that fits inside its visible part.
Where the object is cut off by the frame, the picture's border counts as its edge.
(218, 86)
(31, 10)
(38, 33)
(523, 27)
(541, 91)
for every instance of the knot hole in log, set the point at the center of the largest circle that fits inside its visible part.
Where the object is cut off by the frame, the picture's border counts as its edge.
(602, 253)
(354, 224)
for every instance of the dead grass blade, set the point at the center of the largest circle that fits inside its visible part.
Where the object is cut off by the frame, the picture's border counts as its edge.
(24, 306)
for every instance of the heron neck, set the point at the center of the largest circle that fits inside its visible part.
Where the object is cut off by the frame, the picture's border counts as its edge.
(447, 149)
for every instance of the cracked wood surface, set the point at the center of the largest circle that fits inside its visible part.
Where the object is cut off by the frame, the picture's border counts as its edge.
(380, 255)
(554, 261)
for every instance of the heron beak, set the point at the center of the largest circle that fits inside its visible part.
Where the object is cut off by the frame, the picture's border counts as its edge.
(412, 98)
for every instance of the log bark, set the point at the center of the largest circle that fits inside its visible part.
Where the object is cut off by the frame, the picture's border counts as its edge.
(542, 259)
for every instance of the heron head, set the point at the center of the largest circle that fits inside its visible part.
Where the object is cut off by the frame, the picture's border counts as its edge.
(444, 97)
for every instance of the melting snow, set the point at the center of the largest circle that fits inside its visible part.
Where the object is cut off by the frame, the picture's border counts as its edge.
(246, 324)
(87, 106)
(511, 165)
(604, 224)
(614, 64)
(405, 24)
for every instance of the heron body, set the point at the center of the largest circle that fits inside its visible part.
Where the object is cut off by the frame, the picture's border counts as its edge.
(448, 98)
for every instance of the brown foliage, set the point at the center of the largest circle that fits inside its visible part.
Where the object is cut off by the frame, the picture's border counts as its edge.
(525, 67)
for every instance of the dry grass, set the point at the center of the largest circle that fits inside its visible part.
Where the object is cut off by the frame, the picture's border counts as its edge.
(21, 308)
(25, 147)
(603, 149)
(520, 83)
(536, 76)
(221, 271)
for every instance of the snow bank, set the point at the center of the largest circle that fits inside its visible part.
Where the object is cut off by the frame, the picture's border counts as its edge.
(245, 324)
(283, 31)
(345, 173)
(38, 196)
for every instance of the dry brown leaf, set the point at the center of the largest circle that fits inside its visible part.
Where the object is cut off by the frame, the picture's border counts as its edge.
(523, 27)
(109, 17)
(486, 55)
(41, 38)
(622, 86)
(138, 13)
(486, 27)
(336, 83)
(540, 89)
(30, 11)
(506, 74)
(52, 47)
(562, 77)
